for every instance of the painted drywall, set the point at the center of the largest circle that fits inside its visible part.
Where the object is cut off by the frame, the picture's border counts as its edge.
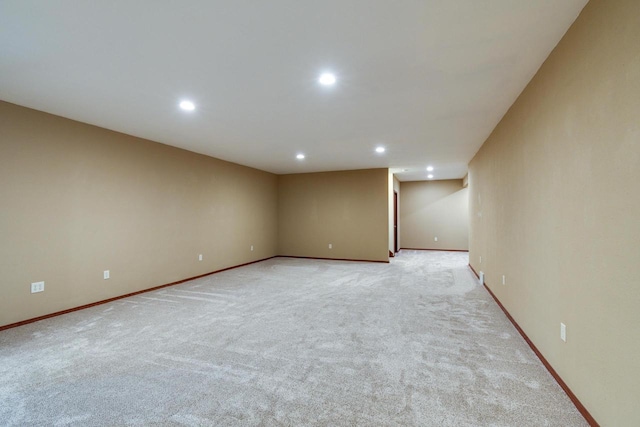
(555, 208)
(394, 187)
(348, 210)
(435, 209)
(78, 200)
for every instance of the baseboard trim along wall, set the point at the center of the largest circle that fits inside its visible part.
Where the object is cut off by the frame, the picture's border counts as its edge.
(155, 288)
(332, 259)
(442, 250)
(581, 408)
(93, 304)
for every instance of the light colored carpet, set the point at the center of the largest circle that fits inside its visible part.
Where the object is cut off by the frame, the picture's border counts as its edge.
(287, 342)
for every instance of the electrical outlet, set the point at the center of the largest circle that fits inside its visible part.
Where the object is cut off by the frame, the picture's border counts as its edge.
(200, 257)
(563, 332)
(251, 247)
(504, 280)
(330, 246)
(37, 287)
(106, 274)
(435, 239)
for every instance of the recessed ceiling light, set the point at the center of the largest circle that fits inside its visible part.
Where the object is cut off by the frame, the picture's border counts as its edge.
(405, 170)
(379, 149)
(300, 156)
(429, 168)
(429, 176)
(187, 105)
(327, 79)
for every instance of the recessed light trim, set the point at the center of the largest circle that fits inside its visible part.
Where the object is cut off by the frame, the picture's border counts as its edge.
(187, 105)
(327, 79)
(430, 168)
(300, 156)
(430, 176)
(380, 150)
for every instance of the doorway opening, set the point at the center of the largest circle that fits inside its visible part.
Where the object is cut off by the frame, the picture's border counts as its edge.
(395, 223)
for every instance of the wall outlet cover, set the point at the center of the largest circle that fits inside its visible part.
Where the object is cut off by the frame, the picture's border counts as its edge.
(37, 287)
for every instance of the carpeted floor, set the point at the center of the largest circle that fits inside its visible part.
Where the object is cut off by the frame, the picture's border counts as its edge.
(287, 342)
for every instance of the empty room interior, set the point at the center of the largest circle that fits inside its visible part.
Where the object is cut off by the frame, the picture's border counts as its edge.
(320, 213)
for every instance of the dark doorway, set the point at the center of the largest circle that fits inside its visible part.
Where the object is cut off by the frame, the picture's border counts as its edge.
(395, 222)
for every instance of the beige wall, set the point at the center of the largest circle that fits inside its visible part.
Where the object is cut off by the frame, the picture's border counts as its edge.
(346, 209)
(433, 209)
(555, 207)
(77, 200)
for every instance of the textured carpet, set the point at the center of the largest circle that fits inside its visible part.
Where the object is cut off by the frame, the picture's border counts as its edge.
(287, 342)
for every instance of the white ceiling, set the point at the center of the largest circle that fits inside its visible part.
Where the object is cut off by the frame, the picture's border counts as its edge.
(429, 80)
